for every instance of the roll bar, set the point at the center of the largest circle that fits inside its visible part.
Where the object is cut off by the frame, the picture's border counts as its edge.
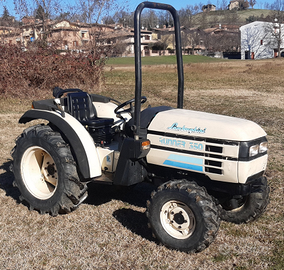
(137, 51)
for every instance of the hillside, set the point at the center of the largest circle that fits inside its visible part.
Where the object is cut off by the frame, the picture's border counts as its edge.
(212, 18)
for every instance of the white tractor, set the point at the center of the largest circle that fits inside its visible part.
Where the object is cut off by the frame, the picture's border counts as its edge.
(206, 167)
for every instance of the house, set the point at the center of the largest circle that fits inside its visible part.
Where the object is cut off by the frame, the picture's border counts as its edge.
(77, 36)
(8, 35)
(146, 40)
(116, 40)
(261, 40)
(28, 19)
(191, 40)
(66, 35)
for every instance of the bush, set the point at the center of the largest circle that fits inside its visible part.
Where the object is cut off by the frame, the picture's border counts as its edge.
(36, 71)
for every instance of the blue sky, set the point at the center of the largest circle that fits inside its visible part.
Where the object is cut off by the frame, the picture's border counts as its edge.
(177, 4)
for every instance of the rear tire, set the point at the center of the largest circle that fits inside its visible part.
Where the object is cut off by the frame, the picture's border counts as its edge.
(45, 172)
(248, 207)
(183, 216)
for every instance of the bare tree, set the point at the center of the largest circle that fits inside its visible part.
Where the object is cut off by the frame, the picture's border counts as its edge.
(194, 37)
(149, 19)
(252, 3)
(6, 19)
(165, 18)
(186, 15)
(227, 41)
(42, 9)
(224, 5)
(27, 8)
(266, 5)
(93, 10)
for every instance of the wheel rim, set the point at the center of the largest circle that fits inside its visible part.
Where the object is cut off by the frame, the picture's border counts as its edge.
(177, 219)
(39, 172)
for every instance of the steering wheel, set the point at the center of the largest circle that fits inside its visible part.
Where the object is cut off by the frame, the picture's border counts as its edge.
(130, 109)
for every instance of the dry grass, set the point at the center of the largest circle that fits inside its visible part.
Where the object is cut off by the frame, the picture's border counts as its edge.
(109, 230)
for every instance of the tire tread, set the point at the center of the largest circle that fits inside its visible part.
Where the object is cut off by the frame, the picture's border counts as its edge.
(74, 189)
(210, 211)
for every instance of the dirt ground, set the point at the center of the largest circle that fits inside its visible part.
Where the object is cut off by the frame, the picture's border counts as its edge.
(109, 230)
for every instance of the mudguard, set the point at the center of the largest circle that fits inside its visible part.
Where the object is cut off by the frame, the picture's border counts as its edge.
(78, 137)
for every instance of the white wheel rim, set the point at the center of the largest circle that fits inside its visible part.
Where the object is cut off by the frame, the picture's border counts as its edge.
(39, 172)
(177, 219)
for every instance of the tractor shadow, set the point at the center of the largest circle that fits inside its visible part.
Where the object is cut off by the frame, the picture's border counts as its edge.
(133, 220)
(6, 181)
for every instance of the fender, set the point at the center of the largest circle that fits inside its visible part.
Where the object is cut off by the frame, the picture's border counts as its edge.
(78, 137)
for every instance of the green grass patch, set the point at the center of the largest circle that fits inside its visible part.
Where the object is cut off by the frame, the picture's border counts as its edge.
(162, 60)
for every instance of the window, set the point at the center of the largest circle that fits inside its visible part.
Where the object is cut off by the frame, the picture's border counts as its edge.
(84, 34)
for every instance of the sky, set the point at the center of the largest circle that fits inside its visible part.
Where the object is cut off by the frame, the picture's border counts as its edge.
(177, 4)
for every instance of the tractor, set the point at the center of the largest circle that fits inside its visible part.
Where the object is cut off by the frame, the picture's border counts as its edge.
(205, 167)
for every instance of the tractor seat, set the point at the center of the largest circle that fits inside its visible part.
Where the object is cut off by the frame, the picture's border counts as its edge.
(81, 107)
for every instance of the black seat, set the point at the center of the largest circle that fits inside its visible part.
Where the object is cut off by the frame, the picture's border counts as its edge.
(81, 107)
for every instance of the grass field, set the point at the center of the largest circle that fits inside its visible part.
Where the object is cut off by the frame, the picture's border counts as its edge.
(109, 230)
(161, 60)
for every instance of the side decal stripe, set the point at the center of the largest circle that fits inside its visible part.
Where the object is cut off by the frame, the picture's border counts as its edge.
(183, 165)
(185, 159)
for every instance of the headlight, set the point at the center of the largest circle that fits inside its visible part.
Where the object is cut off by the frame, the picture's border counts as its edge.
(253, 150)
(258, 149)
(263, 147)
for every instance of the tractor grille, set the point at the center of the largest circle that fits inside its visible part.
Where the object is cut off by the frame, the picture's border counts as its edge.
(213, 166)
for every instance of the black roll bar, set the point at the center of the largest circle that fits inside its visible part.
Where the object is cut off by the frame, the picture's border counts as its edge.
(137, 51)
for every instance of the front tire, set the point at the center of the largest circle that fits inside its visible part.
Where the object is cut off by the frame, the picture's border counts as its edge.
(247, 208)
(183, 216)
(45, 172)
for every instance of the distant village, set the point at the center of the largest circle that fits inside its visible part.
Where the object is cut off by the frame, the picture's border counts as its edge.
(254, 40)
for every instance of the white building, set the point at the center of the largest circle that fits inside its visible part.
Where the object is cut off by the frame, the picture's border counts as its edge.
(259, 40)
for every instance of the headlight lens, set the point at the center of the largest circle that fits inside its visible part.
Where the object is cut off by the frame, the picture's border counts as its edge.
(263, 147)
(258, 149)
(253, 150)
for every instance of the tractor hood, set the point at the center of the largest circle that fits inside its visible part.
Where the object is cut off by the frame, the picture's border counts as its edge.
(207, 125)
